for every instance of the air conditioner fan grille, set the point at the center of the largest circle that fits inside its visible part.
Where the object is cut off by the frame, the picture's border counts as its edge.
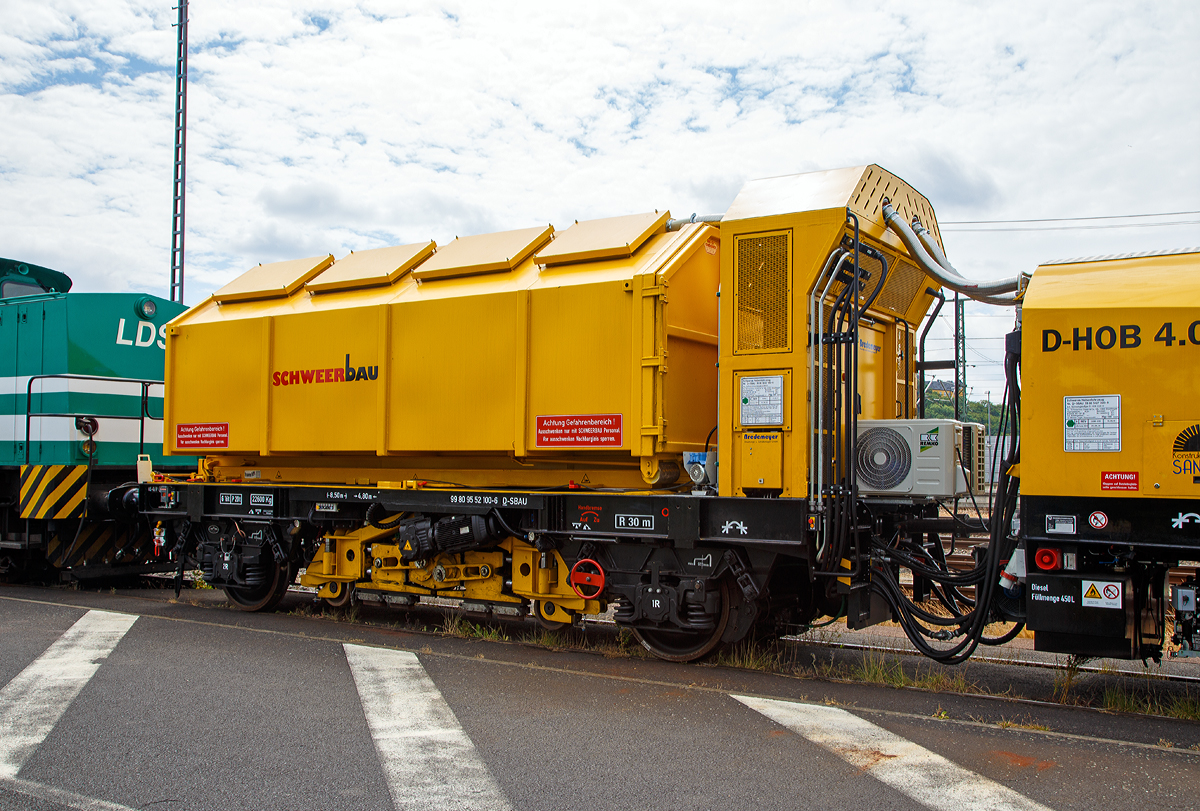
(884, 458)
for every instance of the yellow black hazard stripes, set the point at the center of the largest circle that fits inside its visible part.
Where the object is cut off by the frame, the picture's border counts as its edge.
(53, 491)
(97, 544)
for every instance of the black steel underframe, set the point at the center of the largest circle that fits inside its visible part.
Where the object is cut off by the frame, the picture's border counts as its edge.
(682, 520)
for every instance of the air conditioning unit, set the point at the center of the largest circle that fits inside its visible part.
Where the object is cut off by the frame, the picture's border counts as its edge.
(917, 458)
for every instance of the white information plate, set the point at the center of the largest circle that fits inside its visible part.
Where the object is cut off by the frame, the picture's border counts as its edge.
(1102, 594)
(1092, 424)
(762, 400)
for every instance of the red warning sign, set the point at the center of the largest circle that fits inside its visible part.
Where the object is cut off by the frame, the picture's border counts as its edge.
(202, 435)
(579, 431)
(1113, 480)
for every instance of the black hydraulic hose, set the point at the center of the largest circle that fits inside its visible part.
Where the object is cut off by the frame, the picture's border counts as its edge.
(708, 438)
(917, 633)
(1006, 638)
(972, 625)
(504, 525)
(841, 376)
(971, 577)
(834, 514)
(843, 516)
(1000, 433)
(941, 300)
(945, 594)
(883, 274)
(970, 490)
(851, 461)
(373, 511)
(968, 578)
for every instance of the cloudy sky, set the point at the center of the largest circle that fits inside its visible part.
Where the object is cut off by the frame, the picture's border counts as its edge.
(321, 127)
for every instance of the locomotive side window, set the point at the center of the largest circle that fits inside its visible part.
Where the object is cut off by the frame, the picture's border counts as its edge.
(10, 289)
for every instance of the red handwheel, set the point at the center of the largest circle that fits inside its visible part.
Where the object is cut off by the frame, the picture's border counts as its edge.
(587, 574)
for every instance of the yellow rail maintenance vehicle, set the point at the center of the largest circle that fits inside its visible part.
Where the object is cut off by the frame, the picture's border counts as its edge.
(706, 425)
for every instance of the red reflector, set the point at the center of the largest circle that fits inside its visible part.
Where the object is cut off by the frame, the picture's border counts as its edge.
(1048, 559)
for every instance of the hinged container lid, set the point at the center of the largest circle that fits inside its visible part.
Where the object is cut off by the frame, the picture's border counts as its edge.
(609, 238)
(273, 280)
(370, 268)
(483, 253)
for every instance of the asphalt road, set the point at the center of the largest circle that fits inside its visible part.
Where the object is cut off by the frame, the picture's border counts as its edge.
(112, 702)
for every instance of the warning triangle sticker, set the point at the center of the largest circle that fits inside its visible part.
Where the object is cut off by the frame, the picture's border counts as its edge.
(1092, 593)
(408, 548)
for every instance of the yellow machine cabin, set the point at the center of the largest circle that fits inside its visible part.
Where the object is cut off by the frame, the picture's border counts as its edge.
(776, 240)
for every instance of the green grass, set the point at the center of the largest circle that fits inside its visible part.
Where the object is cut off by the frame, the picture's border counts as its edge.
(1067, 678)
(749, 654)
(877, 667)
(1120, 697)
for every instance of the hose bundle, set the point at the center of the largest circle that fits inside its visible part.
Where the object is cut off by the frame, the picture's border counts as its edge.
(968, 618)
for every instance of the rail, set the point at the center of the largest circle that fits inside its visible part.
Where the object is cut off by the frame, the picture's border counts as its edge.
(141, 417)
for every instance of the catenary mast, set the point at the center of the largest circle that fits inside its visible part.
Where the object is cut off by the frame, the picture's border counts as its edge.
(177, 207)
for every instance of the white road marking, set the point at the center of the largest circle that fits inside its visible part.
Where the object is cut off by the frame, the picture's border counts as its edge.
(32, 703)
(427, 758)
(926, 777)
(58, 796)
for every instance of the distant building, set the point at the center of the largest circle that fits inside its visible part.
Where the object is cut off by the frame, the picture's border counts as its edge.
(942, 388)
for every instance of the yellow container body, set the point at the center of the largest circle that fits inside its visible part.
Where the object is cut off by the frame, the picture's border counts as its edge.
(594, 370)
(775, 240)
(1110, 395)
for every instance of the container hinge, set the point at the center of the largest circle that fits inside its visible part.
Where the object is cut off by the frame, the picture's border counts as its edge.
(659, 431)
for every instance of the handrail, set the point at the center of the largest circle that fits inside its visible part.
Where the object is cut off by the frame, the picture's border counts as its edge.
(142, 417)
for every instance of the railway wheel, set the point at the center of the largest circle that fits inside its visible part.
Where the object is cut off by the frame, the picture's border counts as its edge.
(342, 597)
(266, 596)
(686, 646)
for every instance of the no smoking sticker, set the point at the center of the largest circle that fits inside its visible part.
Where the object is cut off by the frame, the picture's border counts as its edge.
(1098, 520)
(1101, 594)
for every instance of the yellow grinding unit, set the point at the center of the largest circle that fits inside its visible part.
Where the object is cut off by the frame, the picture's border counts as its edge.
(530, 358)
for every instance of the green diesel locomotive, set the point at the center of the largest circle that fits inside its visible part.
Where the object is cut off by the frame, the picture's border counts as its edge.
(80, 401)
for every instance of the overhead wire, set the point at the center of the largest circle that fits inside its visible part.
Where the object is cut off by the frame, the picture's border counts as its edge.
(1073, 219)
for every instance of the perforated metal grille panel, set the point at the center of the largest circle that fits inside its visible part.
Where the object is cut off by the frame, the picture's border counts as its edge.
(762, 272)
(905, 282)
(878, 183)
